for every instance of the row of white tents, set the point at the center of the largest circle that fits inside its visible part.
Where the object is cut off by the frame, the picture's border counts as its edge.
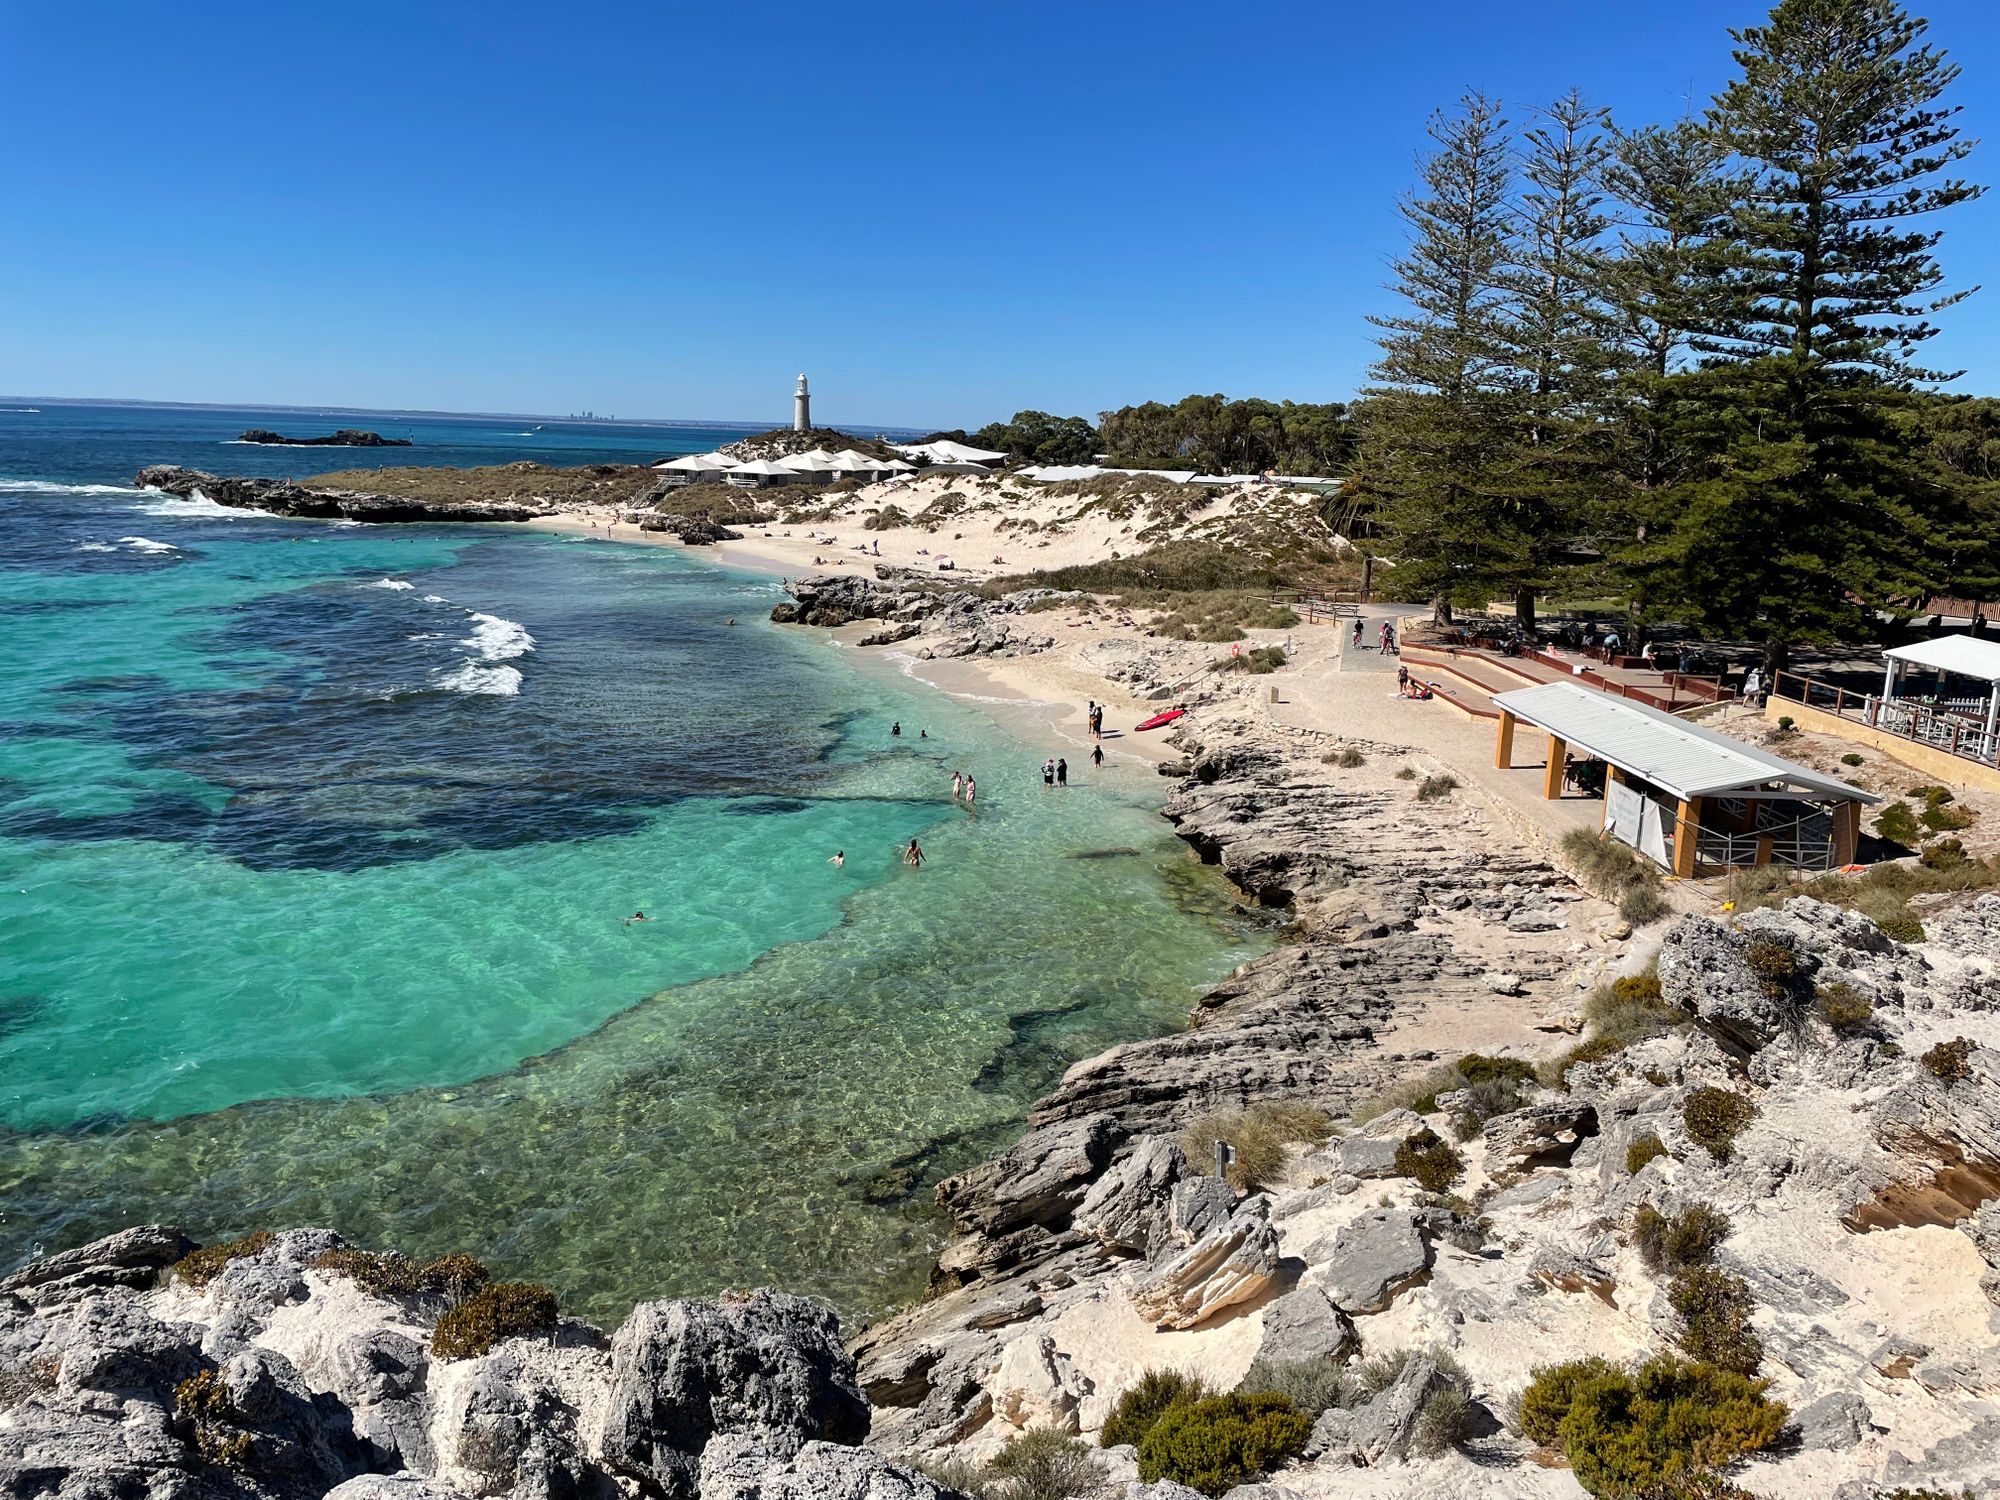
(816, 467)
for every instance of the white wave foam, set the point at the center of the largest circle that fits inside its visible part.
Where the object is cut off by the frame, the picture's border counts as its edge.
(433, 599)
(495, 639)
(470, 677)
(18, 485)
(425, 635)
(146, 544)
(389, 583)
(160, 503)
(95, 547)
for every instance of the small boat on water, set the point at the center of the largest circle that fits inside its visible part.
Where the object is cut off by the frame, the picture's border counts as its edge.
(1159, 719)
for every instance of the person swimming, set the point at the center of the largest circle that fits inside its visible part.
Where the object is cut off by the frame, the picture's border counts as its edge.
(913, 856)
(637, 916)
(838, 859)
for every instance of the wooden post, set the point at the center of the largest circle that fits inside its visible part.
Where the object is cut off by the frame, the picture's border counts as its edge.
(1846, 832)
(1503, 744)
(1687, 823)
(1763, 849)
(1552, 774)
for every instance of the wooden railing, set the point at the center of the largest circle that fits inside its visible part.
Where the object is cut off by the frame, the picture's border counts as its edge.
(1951, 725)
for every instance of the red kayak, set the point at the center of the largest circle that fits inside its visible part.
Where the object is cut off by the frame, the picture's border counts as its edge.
(1158, 719)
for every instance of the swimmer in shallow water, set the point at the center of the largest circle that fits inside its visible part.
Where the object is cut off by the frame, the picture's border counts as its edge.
(637, 916)
(838, 859)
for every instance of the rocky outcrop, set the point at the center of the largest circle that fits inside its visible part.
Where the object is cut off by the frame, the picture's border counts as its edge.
(283, 1380)
(952, 622)
(346, 437)
(1234, 1263)
(281, 497)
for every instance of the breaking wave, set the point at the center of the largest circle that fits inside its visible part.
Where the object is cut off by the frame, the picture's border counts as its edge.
(471, 677)
(495, 639)
(389, 583)
(146, 544)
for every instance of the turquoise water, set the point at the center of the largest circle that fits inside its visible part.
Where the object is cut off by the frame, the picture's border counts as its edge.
(316, 844)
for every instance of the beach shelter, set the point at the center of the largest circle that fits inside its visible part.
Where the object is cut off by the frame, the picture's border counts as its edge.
(816, 465)
(945, 451)
(850, 462)
(759, 471)
(1956, 656)
(692, 467)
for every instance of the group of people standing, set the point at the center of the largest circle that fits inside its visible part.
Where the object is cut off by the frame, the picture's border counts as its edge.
(964, 788)
(1385, 640)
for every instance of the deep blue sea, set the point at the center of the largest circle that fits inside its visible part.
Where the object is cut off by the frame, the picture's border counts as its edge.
(319, 844)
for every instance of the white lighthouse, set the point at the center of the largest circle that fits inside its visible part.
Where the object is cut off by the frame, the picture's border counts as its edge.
(802, 406)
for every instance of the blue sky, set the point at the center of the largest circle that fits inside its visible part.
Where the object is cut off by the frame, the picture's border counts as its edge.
(943, 212)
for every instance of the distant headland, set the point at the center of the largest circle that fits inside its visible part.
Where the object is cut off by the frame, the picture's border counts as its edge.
(347, 437)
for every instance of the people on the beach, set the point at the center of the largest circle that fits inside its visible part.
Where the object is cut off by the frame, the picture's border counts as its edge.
(896, 730)
(923, 734)
(1357, 634)
(913, 856)
(1388, 638)
(1402, 682)
(839, 859)
(971, 792)
(1097, 756)
(1062, 772)
(957, 785)
(1049, 772)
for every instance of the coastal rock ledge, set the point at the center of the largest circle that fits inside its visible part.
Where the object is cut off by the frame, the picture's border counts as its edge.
(269, 1368)
(283, 498)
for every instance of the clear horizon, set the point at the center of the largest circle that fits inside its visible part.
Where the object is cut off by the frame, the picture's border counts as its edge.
(943, 217)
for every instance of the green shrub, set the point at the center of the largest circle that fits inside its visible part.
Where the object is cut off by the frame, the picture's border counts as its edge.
(1258, 1136)
(391, 1275)
(1774, 964)
(1555, 1073)
(1644, 905)
(1146, 1400)
(1898, 824)
(1902, 927)
(1944, 854)
(199, 1267)
(1217, 1444)
(1714, 1308)
(1447, 1410)
(1551, 1390)
(1715, 1117)
(1475, 1067)
(1646, 1148)
(1614, 872)
(1950, 1062)
(1434, 1163)
(1346, 756)
(1311, 1385)
(500, 1310)
(1843, 1007)
(1419, 1093)
(888, 518)
(1048, 1465)
(1669, 1242)
(205, 1415)
(1787, 726)
(1850, 759)
(1663, 1424)
(1435, 787)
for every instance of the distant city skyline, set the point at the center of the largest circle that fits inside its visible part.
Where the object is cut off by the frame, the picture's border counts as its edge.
(945, 215)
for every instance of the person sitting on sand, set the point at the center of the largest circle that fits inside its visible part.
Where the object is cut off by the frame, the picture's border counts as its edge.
(838, 859)
(913, 856)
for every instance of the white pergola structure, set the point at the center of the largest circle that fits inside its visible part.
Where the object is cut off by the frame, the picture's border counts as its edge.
(694, 466)
(1958, 655)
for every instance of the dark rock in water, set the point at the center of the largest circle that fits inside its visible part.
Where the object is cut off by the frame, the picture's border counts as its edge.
(283, 498)
(131, 1258)
(1104, 854)
(347, 437)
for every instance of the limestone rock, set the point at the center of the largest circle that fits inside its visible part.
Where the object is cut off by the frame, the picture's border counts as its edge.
(1041, 1180)
(1199, 1204)
(130, 1258)
(1130, 1208)
(767, 1365)
(1231, 1264)
(1305, 1324)
(401, 1486)
(1567, 1271)
(1703, 969)
(1540, 1135)
(1037, 1385)
(1383, 1428)
(1372, 1259)
(1365, 1157)
(739, 1467)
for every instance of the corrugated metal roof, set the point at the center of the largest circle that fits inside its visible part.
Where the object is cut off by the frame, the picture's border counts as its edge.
(1674, 755)
(1953, 653)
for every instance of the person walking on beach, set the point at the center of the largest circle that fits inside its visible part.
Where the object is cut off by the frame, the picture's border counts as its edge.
(1062, 772)
(1388, 638)
(1097, 756)
(957, 784)
(1049, 772)
(1402, 682)
(913, 856)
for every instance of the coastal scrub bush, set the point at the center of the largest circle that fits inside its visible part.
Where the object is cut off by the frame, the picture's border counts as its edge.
(1419, 1093)
(888, 518)
(1221, 1442)
(1311, 1385)
(388, 1274)
(1434, 1163)
(208, 1419)
(1898, 824)
(1447, 1410)
(199, 1267)
(1843, 1007)
(1347, 757)
(1258, 660)
(1670, 1242)
(1614, 872)
(1551, 1390)
(1715, 1117)
(1047, 1465)
(1258, 1136)
(1950, 1062)
(1714, 1308)
(1488, 1086)
(1646, 1148)
(1146, 1400)
(1435, 787)
(1663, 1424)
(1850, 759)
(500, 1310)
(1902, 927)
(1407, 773)
(1944, 854)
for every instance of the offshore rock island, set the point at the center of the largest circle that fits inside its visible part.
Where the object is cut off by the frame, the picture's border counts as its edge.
(346, 437)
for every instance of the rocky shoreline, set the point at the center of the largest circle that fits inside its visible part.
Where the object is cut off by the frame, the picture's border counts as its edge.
(283, 498)
(1855, 1193)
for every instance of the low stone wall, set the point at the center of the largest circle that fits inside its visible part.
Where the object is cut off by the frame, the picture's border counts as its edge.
(1928, 759)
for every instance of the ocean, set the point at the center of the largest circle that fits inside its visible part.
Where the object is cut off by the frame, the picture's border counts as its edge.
(319, 845)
